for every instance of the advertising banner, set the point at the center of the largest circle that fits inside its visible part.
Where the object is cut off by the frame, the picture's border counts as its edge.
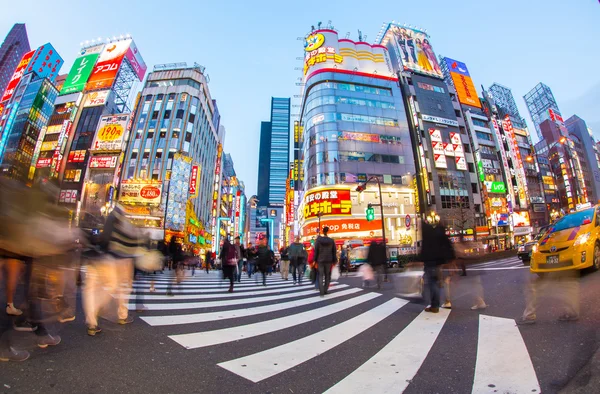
(68, 196)
(111, 133)
(103, 161)
(108, 65)
(438, 147)
(141, 192)
(17, 75)
(48, 145)
(46, 62)
(440, 161)
(495, 187)
(76, 156)
(43, 162)
(413, 49)
(458, 150)
(435, 135)
(461, 163)
(96, 99)
(136, 61)
(194, 181)
(448, 149)
(327, 202)
(340, 226)
(81, 70)
(179, 189)
(465, 89)
(455, 138)
(437, 119)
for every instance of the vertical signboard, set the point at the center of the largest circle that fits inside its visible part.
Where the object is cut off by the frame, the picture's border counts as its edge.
(46, 62)
(517, 162)
(136, 61)
(17, 75)
(81, 70)
(465, 89)
(194, 181)
(111, 133)
(179, 188)
(107, 66)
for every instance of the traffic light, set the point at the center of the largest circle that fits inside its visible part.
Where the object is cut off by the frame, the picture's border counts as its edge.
(370, 213)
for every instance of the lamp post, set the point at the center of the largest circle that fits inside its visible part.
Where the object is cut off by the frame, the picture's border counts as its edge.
(319, 228)
(433, 218)
(360, 189)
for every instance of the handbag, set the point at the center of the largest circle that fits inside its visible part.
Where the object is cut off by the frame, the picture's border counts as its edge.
(149, 261)
(335, 273)
(313, 276)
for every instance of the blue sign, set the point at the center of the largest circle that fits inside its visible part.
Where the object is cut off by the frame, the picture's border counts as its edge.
(46, 62)
(503, 219)
(457, 67)
(407, 221)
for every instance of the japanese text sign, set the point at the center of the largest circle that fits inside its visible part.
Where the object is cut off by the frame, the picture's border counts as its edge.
(327, 202)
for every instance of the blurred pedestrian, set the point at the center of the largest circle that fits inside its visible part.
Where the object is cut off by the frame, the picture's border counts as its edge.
(377, 257)
(436, 250)
(265, 259)
(120, 243)
(229, 260)
(285, 263)
(325, 256)
(240, 251)
(250, 259)
(298, 256)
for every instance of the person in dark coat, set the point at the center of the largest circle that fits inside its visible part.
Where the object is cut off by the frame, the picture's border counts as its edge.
(377, 257)
(436, 250)
(229, 260)
(264, 259)
(325, 257)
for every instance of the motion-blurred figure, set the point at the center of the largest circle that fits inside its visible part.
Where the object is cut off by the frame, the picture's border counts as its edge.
(112, 267)
(377, 257)
(298, 257)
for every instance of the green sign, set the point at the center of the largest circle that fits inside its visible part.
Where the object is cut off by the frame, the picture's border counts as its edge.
(79, 74)
(480, 171)
(495, 187)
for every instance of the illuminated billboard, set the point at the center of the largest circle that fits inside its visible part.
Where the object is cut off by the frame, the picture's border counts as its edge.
(136, 61)
(111, 133)
(81, 70)
(179, 189)
(465, 89)
(412, 50)
(324, 50)
(327, 202)
(140, 192)
(46, 62)
(17, 75)
(108, 65)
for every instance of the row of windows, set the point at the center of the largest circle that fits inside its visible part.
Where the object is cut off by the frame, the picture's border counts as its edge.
(351, 87)
(332, 178)
(324, 100)
(332, 117)
(344, 156)
(173, 82)
(330, 136)
(484, 136)
(480, 123)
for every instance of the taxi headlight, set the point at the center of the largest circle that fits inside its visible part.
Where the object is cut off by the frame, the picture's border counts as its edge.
(534, 248)
(582, 238)
(521, 248)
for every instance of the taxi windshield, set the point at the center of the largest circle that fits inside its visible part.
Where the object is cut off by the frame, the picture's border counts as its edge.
(574, 220)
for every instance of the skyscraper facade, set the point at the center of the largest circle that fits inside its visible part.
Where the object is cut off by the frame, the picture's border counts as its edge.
(175, 116)
(504, 99)
(587, 151)
(541, 105)
(264, 164)
(14, 46)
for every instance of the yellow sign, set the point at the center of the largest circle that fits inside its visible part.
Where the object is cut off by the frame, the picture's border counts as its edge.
(48, 145)
(314, 41)
(110, 132)
(321, 55)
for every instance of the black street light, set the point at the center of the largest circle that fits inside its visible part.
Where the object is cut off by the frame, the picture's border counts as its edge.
(360, 189)
(319, 228)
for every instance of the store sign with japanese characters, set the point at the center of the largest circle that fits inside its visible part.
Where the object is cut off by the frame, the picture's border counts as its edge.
(344, 226)
(327, 202)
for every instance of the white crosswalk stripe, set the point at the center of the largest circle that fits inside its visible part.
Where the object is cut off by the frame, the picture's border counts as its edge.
(502, 264)
(202, 314)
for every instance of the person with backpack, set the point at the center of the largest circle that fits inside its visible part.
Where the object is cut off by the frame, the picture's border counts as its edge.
(325, 257)
(229, 260)
(298, 256)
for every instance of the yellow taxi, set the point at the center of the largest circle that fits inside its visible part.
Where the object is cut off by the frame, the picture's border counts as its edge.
(572, 243)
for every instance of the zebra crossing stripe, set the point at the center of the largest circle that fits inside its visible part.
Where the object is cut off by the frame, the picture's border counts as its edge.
(504, 262)
(503, 361)
(208, 285)
(219, 289)
(262, 365)
(181, 294)
(222, 303)
(394, 366)
(202, 281)
(237, 313)
(209, 338)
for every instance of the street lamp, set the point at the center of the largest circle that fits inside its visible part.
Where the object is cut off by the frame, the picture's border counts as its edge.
(319, 228)
(360, 189)
(433, 218)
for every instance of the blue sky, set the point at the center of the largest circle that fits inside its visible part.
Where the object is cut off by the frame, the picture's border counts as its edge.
(250, 48)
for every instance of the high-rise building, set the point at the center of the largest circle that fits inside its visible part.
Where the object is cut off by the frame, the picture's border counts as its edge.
(174, 124)
(274, 158)
(354, 131)
(25, 108)
(14, 46)
(585, 146)
(541, 105)
(565, 163)
(505, 101)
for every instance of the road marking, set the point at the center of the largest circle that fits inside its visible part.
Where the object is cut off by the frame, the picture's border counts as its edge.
(220, 289)
(503, 364)
(209, 285)
(221, 294)
(237, 313)
(221, 303)
(494, 263)
(209, 338)
(394, 366)
(262, 365)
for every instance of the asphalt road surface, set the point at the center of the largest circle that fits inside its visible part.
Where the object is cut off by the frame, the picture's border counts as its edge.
(284, 338)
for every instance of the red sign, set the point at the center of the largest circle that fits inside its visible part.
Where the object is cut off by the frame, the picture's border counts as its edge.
(327, 202)
(77, 156)
(150, 192)
(103, 162)
(43, 163)
(342, 226)
(108, 65)
(17, 75)
(194, 181)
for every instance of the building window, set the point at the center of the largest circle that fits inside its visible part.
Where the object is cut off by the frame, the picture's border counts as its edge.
(474, 188)
(467, 148)
(471, 167)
